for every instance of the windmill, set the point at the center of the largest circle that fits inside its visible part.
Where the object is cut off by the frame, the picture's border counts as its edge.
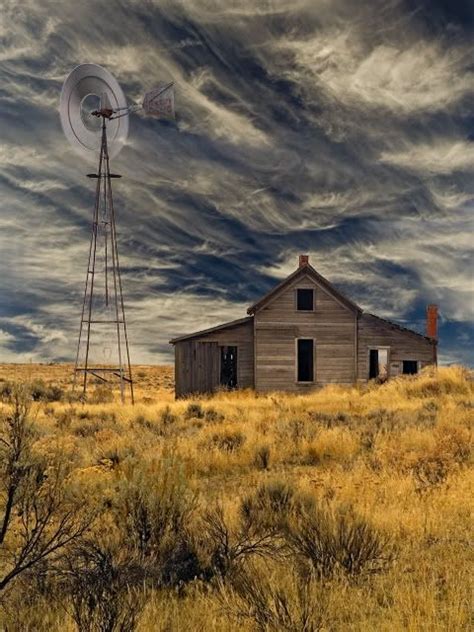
(94, 116)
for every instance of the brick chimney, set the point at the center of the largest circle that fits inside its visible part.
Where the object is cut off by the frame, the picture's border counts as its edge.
(432, 321)
(303, 260)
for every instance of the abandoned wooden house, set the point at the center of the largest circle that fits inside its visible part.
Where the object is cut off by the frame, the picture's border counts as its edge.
(303, 334)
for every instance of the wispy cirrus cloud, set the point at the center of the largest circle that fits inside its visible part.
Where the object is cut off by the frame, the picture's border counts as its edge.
(441, 157)
(315, 126)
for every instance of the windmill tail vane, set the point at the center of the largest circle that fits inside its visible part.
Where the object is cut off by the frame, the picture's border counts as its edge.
(158, 102)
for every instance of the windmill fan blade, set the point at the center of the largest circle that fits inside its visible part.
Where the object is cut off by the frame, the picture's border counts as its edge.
(88, 88)
(159, 102)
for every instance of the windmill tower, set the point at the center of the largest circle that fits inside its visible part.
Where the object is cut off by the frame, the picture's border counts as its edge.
(94, 115)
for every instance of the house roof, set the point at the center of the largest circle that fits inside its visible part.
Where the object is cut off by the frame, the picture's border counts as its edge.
(229, 325)
(400, 327)
(309, 270)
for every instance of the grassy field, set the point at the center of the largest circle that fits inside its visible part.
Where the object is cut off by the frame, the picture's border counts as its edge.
(344, 509)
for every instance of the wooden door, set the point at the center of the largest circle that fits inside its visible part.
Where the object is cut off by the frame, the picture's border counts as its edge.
(205, 367)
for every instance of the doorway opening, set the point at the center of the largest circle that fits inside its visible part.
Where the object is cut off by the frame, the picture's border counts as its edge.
(305, 368)
(378, 364)
(228, 367)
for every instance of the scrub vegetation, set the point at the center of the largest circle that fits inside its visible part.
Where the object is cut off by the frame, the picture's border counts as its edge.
(343, 509)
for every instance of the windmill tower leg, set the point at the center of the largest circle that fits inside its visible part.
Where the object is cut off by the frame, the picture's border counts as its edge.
(107, 224)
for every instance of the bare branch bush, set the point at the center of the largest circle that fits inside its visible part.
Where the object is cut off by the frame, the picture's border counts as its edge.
(30, 602)
(274, 604)
(338, 541)
(228, 547)
(103, 588)
(39, 517)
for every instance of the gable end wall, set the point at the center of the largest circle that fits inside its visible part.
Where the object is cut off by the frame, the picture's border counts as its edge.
(278, 325)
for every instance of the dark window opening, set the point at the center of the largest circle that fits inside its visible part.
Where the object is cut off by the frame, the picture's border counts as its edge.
(410, 367)
(378, 364)
(229, 367)
(305, 300)
(305, 360)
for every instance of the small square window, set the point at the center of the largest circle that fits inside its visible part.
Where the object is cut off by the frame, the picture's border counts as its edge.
(410, 367)
(304, 300)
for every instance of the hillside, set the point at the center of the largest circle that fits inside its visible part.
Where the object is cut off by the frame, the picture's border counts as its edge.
(345, 509)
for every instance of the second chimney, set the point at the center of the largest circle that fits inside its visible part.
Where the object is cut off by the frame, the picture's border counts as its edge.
(432, 321)
(303, 260)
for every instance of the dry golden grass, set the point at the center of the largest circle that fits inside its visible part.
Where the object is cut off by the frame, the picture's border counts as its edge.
(398, 455)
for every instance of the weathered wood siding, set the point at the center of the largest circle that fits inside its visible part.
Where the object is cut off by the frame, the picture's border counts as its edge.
(279, 324)
(403, 345)
(197, 360)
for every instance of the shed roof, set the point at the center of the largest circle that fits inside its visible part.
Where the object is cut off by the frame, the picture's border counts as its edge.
(308, 269)
(399, 327)
(229, 325)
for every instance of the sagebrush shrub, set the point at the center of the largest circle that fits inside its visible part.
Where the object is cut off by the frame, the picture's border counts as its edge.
(338, 541)
(194, 411)
(64, 419)
(167, 417)
(227, 441)
(228, 547)
(40, 391)
(102, 588)
(147, 424)
(101, 395)
(429, 472)
(271, 505)
(154, 507)
(6, 389)
(273, 605)
(213, 416)
(262, 457)
(87, 428)
(330, 420)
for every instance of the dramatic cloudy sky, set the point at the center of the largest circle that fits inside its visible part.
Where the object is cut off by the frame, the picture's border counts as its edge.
(339, 128)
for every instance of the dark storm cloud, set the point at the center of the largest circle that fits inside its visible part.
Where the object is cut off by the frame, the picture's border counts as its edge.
(336, 128)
